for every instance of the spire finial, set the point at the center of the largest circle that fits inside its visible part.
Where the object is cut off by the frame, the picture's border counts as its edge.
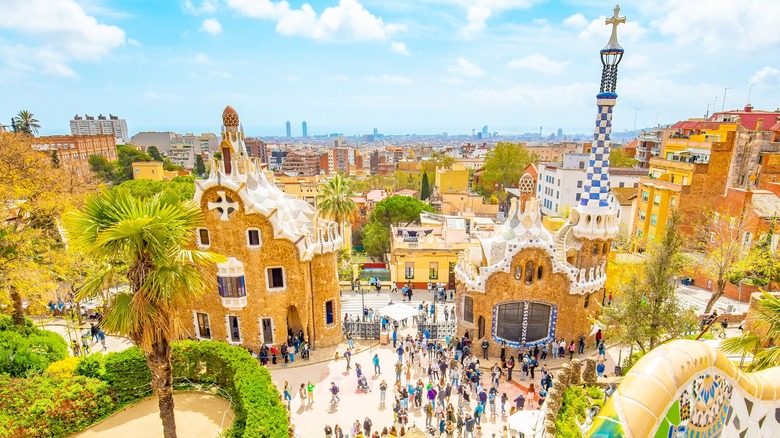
(615, 20)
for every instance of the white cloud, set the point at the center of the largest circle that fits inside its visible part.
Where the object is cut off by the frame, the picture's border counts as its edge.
(50, 34)
(767, 76)
(399, 48)
(133, 42)
(220, 74)
(452, 81)
(391, 79)
(340, 77)
(349, 21)
(466, 68)
(202, 58)
(577, 21)
(479, 11)
(205, 7)
(211, 26)
(539, 63)
(719, 24)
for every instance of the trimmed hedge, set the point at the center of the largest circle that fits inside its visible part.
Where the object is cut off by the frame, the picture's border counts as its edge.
(128, 375)
(256, 403)
(48, 406)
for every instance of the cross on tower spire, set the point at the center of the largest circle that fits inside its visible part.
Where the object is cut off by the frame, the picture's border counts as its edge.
(615, 20)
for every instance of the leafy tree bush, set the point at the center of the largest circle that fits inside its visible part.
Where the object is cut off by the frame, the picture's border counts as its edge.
(63, 368)
(27, 349)
(47, 406)
(127, 374)
(576, 402)
(91, 366)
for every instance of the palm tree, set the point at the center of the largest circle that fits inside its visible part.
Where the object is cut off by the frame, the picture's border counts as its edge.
(25, 123)
(334, 200)
(762, 343)
(144, 240)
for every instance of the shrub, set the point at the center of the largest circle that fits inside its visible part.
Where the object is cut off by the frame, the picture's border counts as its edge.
(46, 406)
(576, 402)
(128, 375)
(25, 350)
(257, 408)
(63, 368)
(91, 366)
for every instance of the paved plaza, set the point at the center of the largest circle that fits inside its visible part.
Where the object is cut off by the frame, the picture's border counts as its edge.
(310, 419)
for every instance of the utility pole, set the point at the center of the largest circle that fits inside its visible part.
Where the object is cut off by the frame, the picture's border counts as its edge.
(723, 104)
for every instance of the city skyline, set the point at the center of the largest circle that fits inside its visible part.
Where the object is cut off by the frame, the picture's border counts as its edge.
(349, 66)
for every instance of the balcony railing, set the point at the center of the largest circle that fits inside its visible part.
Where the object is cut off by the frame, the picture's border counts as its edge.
(400, 244)
(234, 303)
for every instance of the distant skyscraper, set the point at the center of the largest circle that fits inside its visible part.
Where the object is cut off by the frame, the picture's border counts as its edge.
(485, 131)
(112, 125)
(560, 132)
(289, 129)
(304, 128)
(376, 131)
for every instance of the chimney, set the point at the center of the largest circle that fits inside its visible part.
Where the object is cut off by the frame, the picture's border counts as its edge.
(760, 125)
(748, 108)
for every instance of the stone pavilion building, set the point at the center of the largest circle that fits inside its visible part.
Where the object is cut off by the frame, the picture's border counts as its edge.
(280, 275)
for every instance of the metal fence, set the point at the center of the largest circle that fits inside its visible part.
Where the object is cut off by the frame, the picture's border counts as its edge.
(361, 329)
(438, 330)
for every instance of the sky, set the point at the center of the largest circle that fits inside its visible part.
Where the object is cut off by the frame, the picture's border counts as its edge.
(402, 66)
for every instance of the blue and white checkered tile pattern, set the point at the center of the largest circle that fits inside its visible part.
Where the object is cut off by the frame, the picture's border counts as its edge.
(596, 190)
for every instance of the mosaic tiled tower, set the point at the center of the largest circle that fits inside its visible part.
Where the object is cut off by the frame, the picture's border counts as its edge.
(594, 222)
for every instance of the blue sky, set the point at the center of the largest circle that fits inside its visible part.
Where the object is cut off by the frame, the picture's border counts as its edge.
(402, 66)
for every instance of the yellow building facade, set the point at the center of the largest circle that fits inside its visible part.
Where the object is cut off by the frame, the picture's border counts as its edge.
(453, 180)
(279, 278)
(429, 252)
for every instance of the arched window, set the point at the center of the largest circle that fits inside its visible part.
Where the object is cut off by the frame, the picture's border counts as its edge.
(595, 249)
(539, 272)
(587, 301)
(480, 327)
(529, 272)
(518, 272)
(605, 248)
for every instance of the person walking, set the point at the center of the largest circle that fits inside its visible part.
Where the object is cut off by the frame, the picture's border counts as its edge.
(469, 426)
(504, 399)
(284, 353)
(571, 350)
(287, 394)
(581, 347)
(334, 394)
(310, 392)
(382, 392)
(602, 353)
(377, 369)
(348, 358)
(519, 403)
(302, 394)
(399, 367)
(350, 341)
(367, 426)
(510, 365)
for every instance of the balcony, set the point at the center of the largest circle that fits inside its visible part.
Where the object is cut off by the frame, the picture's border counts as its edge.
(234, 303)
(424, 245)
(655, 182)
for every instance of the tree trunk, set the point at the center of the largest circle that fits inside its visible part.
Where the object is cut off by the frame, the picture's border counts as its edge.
(18, 313)
(716, 294)
(159, 361)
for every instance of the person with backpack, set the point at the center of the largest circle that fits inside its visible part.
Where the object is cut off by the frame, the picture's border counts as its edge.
(334, 397)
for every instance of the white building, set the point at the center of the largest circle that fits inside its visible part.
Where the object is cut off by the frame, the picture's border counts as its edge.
(560, 184)
(112, 125)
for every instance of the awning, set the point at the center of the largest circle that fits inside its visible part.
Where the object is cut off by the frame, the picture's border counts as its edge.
(398, 311)
(524, 422)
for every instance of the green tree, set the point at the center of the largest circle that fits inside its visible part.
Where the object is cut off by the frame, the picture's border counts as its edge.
(182, 187)
(399, 210)
(200, 166)
(425, 190)
(55, 159)
(154, 153)
(761, 340)
(376, 240)
(504, 165)
(150, 237)
(618, 158)
(334, 200)
(760, 265)
(126, 156)
(646, 312)
(25, 123)
(104, 169)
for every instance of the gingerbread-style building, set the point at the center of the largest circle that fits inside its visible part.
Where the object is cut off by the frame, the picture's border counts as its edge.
(280, 274)
(524, 286)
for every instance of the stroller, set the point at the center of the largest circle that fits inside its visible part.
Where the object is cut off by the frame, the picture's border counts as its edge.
(363, 384)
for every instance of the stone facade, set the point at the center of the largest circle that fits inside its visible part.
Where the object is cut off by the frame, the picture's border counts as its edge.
(249, 221)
